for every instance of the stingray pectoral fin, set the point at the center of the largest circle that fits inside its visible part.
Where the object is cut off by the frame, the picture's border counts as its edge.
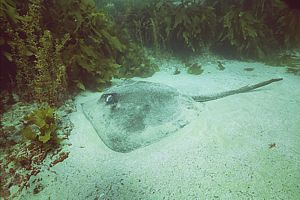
(236, 91)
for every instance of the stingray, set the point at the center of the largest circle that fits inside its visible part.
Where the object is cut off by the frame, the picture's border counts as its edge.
(133, 115)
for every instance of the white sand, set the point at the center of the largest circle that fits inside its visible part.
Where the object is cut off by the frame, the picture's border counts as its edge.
(224, 154)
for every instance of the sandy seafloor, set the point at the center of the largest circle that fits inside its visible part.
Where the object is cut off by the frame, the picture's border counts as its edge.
(224, 154)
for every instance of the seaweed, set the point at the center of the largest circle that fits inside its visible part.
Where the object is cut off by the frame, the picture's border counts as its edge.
(272, 145)
(40, 73)
(98, 50)
(61, 46)
(244, 32)
(175, 27)
(176, 72)
(90, 56)
(193, 24)
(245, 29)
(135, 63)
(8, 17)
(40, 125)
(292, 62)
(8, 11)
(289, 59)
(22, 159)
(289, 27)
(220, 66)
(52, 48)
(195, 69)
(249, 69)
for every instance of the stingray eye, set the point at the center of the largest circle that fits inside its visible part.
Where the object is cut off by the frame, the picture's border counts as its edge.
(109, 99)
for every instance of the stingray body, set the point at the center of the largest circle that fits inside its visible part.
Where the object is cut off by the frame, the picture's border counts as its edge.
(130, 116)
(133, 115)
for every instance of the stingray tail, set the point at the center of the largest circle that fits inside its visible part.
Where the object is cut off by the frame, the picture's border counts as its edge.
(236, 91)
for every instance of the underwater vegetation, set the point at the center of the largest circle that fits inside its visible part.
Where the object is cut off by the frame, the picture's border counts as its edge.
(40, 125)
(90, 54)
(242, 29)
(192, 25)
(40, 72)
(195, 69)
(290, 60)
(289, 24)
(243, 32)
(29, 135)
(220, 66)
(164, 25)
(135, 56)
(51, 48)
